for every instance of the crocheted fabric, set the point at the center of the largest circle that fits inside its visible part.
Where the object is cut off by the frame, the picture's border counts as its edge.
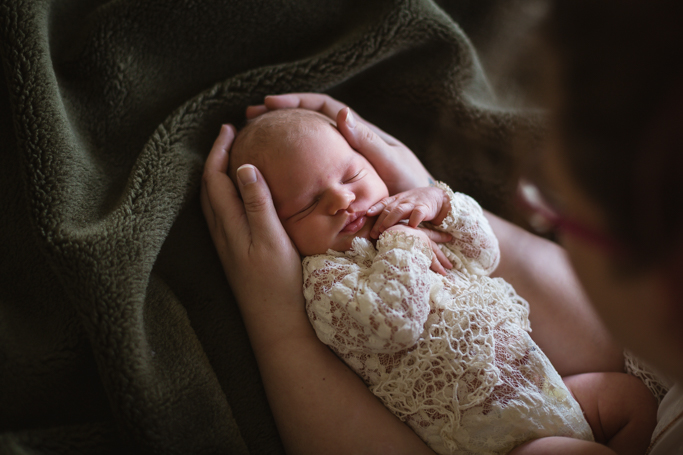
(451, 355)
(657, 384)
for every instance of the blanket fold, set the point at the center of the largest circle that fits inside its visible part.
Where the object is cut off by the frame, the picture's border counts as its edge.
(118, 331)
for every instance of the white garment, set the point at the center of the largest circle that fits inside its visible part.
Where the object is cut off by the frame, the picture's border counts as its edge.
(667, 438)
(451, 355)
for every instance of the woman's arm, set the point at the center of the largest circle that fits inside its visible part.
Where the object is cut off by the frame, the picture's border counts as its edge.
(319, 405)
(563, 321)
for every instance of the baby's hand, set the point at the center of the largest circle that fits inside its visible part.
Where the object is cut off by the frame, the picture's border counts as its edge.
(416, 205)
(439, 260)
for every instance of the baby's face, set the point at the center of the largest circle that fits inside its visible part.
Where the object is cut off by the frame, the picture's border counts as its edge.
(322, 189)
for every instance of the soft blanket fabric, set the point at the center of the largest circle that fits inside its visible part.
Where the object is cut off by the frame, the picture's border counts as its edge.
(118, 332)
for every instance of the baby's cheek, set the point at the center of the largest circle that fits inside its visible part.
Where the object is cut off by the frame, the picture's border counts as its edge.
(298, 240)
(311, 244)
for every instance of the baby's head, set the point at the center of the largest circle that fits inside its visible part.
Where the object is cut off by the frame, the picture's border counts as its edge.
(321, 187)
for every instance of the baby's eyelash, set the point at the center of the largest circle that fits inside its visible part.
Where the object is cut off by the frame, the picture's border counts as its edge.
(309, 206)
(358, 174)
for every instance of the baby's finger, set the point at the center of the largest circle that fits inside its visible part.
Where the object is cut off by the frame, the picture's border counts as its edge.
(377, 208)
(441, 257)
(436, 266)
(396, 214)
(417, 216)
(379, 227)
(437, 236)
(391, 215)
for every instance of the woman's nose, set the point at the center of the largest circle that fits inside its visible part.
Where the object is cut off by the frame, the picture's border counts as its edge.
(339, 199)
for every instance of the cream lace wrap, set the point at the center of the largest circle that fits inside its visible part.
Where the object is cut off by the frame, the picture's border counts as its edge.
(451, 356)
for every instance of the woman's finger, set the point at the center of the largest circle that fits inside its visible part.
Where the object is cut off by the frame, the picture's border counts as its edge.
(255, 111)
(347, 118)
(319, 102)
(362, 138)
(218, 194)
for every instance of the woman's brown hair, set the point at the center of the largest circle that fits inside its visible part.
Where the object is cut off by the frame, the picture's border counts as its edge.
(620, 113)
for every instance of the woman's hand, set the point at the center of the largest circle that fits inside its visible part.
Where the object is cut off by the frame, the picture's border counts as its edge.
(395, 163)
(258, 257)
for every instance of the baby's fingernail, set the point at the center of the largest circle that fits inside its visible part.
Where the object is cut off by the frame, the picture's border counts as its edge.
(247, 174)
(350, 120)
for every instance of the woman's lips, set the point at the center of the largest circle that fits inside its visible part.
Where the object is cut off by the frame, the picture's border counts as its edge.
(355, 225)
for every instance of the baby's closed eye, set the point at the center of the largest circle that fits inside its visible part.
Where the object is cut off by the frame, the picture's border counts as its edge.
(357, 176)
(305, 211)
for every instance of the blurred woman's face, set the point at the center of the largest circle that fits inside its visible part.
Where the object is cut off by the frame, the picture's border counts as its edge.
(634, 306)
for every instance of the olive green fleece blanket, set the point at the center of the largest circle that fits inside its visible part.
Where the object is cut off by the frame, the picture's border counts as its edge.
(118, 331)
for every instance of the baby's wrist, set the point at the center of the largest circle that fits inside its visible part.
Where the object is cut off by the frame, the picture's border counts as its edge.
(445, 209)
(404, 237)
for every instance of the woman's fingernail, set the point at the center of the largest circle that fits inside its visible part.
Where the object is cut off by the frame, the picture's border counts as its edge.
(247, 174)
(350, 120)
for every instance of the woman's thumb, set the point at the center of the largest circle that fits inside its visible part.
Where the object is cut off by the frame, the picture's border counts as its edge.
(258, 203)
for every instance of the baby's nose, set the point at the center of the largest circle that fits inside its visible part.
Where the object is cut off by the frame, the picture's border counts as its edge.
(340, 200)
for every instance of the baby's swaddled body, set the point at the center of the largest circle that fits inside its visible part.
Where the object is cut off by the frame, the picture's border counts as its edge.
(449, 355)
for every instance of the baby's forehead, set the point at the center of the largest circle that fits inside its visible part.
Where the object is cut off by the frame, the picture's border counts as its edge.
(286, 130)
(291, 123)
(292, 116)
(277, 134)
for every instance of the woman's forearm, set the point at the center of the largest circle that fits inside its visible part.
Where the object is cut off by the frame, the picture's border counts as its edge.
(319, 404)
(563, 321)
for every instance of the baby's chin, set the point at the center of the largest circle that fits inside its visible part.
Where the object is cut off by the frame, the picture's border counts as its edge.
(364, 232)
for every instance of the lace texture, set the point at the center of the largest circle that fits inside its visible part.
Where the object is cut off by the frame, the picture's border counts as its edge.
(657, 384)
(474, 246)
(451, 356)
